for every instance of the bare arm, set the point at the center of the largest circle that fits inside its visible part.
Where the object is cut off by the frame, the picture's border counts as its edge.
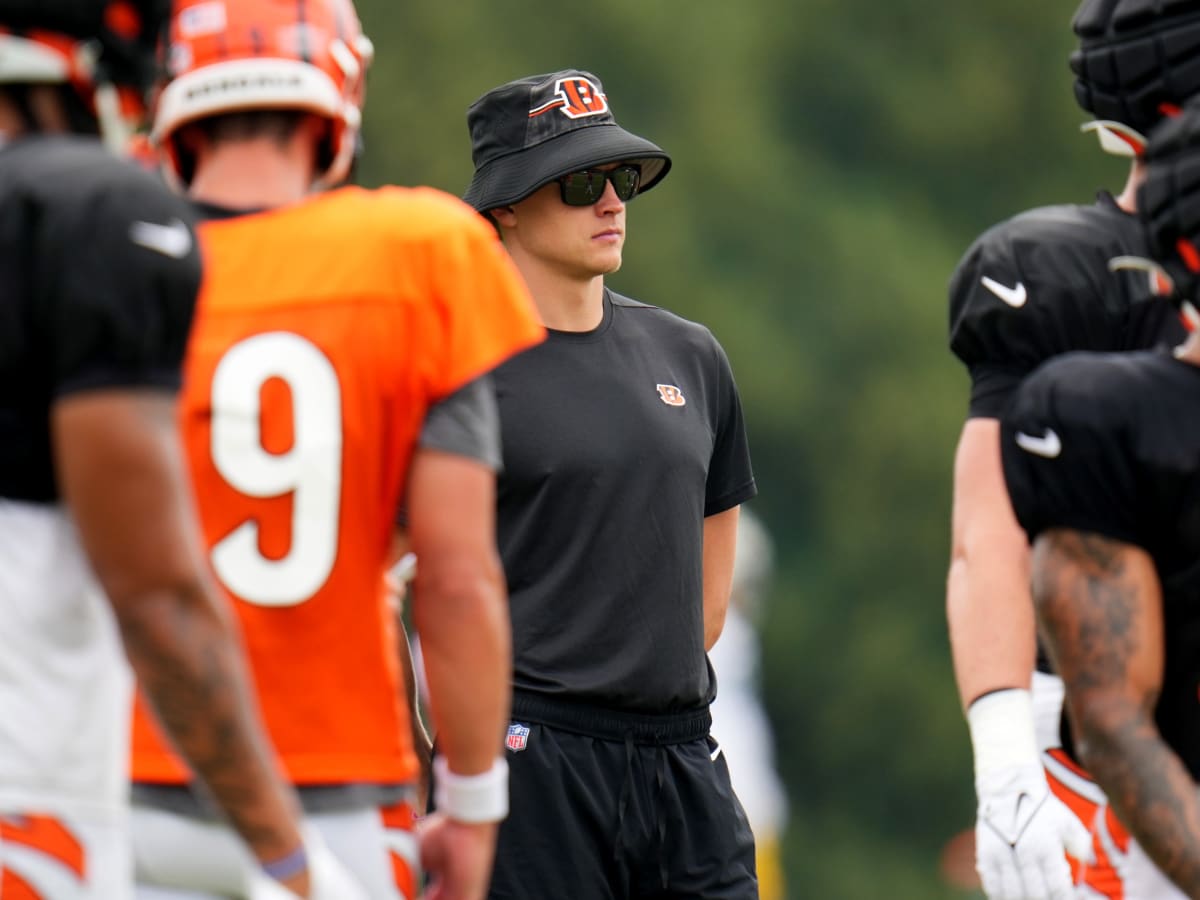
(121, 474)
(988, 608)
(460, 610)
(720, 546)
(1099, 605)
(459, 606)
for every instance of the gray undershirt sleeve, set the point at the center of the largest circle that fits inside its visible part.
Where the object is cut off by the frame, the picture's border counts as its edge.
(467, 423)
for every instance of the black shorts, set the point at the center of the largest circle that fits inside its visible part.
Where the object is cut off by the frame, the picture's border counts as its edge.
(610, 805)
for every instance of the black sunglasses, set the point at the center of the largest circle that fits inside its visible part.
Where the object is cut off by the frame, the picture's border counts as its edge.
(587, 187)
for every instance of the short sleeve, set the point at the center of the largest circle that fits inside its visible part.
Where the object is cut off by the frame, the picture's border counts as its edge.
(119, 299)
(1035, 287)
(1067, 463)
(467, 423)
(730, 476)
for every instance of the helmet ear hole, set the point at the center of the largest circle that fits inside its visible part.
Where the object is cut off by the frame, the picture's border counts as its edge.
(336, 156)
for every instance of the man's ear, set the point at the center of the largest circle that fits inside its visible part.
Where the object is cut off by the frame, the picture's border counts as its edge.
(503, 215)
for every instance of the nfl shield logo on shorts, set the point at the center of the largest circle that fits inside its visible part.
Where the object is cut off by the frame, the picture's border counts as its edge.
(518, 737)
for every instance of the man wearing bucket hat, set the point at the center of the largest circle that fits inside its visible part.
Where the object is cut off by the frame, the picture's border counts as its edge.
(625, 462)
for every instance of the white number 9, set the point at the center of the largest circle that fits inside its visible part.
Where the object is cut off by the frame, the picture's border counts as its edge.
(311, 470)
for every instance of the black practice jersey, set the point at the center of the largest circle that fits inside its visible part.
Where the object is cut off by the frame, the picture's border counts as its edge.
(98, 278)
(1039, 284)
(617, 443)
(1110, 444)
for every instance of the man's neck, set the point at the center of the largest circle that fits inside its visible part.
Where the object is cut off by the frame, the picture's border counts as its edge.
(568, 305)
(1127, 199)
(1189, 350)
(564, 303)
(252, 174)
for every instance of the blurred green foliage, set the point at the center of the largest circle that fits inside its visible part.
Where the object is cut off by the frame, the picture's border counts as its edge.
(833, 159)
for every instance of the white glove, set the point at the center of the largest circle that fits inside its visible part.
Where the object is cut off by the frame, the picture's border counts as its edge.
(1021, 834)
(329, 879)
(260, 886)
(1022, 831)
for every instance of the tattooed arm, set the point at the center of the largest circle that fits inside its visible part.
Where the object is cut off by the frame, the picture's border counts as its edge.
(121, 475)
(1099, 608)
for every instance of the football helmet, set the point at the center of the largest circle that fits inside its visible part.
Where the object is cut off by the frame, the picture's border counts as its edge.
(1168, 203)
(225, 56)
(1137, 61)
(106, 50)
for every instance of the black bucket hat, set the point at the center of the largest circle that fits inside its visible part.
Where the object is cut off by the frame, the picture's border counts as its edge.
(529, 132)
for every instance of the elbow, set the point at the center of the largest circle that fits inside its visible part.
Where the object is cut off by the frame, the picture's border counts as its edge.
(713, 626)
(1102, 735)
(458, 591)
(1095, 748)
(154, 618)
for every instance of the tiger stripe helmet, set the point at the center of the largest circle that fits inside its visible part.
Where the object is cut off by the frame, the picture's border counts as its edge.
(228, 56)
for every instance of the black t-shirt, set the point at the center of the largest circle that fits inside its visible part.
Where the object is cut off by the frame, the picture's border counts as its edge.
(617, 443)
(1039, 284)
(1110, 444)
(98, 278)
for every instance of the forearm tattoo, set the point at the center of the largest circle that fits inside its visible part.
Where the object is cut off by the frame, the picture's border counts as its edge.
(192, 674)
(1093, 597)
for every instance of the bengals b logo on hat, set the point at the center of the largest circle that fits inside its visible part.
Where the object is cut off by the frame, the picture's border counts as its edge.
(576, 98)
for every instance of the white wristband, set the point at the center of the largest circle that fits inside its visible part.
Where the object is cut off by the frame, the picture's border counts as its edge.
(1002, 735)
(471, 798)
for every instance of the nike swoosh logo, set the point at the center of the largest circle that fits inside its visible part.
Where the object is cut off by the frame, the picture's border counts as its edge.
(1017, 830)
(173, 240)
(1048, 445)
(1013, 296)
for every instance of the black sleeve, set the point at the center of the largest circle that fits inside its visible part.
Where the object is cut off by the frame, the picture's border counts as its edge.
(119, 296)
(1034, 287)
(1067, 458)
(467, 423)
(730, 476)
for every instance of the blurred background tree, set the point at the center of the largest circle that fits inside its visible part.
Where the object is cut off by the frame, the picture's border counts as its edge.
(833, 160)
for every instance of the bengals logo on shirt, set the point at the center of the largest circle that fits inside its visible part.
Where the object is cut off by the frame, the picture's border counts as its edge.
(670, 395)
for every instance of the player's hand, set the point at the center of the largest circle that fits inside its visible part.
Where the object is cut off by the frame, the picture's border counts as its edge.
(456, 857)
(1023, 834)
(328, 879)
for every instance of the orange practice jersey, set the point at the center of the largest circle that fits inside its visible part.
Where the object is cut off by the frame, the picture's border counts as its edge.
(323, 333)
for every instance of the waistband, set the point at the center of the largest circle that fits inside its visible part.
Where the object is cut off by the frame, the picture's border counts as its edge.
(655, 729)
